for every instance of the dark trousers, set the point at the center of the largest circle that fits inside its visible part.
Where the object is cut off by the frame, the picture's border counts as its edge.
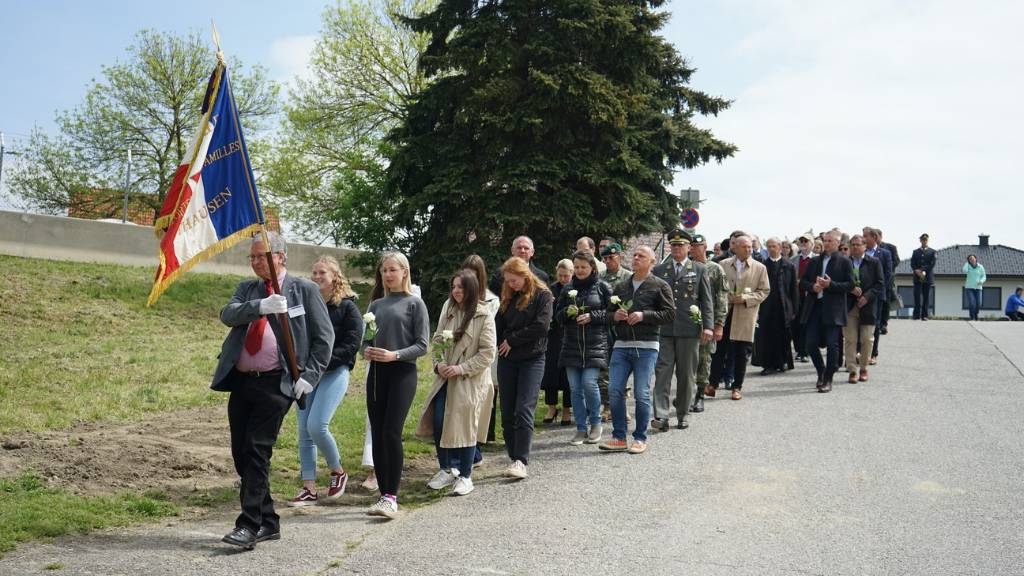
(819, 334)
(879, 306)
(256, 409)
(518, 388)
(390, 389)
(448, 458)
(883, 320)
(730, 359)
(922, 292)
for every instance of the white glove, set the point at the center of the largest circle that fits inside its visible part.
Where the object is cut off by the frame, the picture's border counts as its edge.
(273, 304)
(301, 388)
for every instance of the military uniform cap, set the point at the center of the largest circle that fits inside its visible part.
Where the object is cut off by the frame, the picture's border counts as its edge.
(613, 248)
(678, 236)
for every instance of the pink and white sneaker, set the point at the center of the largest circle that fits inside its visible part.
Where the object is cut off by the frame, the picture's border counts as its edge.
(337, 487)
(305, 498)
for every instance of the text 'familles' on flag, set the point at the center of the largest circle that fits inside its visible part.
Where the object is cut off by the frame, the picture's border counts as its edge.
(212, 203)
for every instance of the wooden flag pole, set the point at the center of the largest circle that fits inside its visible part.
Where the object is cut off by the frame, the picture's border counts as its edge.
(282, 319)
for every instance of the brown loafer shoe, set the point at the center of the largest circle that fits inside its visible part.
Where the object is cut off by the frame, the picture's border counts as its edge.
(873, 361)
(863, 375)
(709, 391)
(736, 395)
(853, 378)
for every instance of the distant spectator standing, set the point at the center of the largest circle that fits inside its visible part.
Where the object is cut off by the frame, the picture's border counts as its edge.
(522, 247)
(973, 284)
(555, 379)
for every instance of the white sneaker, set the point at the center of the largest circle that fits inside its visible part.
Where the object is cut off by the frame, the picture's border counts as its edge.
(516, 470)
(443, 479)
(578, 438)
(384, 507)
(463, 486)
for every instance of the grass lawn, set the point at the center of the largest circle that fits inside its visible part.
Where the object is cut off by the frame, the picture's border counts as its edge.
(83, 348)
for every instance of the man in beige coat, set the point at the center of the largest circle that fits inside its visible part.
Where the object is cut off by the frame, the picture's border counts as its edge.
(747, 282)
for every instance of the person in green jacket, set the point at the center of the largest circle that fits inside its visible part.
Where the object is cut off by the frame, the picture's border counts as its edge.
(973, 284)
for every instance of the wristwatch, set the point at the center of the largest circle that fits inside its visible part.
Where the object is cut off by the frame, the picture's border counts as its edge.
(398, 355)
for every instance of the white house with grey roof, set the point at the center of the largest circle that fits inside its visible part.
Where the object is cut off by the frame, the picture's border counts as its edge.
(1004, 267)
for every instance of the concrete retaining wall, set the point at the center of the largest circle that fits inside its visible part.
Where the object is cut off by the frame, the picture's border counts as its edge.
(62, 238)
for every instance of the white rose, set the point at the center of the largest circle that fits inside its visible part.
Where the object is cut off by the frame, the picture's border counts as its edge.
(573, 293)
(447, 335)
(369, 317)
(616, 300)
(694, 309)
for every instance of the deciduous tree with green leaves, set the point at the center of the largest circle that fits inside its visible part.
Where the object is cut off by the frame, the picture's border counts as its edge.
(551, 118)
(148, 103)
(327, 170)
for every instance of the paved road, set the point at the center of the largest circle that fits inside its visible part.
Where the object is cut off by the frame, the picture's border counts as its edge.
(916, 472)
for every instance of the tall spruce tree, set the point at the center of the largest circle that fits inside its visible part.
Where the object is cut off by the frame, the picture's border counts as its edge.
(551, 118)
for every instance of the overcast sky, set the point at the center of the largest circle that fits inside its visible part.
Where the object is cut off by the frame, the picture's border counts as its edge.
(904, 114)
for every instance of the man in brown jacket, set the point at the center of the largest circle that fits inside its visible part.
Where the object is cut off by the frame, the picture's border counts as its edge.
(747, 282)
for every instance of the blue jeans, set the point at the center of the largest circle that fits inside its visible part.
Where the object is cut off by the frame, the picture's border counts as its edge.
(973, 301)
(314, 422)
(448, 458)
(640, 363)
(586, 396)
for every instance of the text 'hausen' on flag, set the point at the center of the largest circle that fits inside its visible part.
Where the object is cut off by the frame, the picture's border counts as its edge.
(212, 203)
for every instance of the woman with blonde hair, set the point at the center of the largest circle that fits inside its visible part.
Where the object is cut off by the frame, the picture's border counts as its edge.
(464, 348)
(402, 330)
(524, 316)
(314, 420)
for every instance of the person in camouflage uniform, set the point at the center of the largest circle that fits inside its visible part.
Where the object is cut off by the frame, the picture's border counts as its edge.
(611, 254)
(720, 303)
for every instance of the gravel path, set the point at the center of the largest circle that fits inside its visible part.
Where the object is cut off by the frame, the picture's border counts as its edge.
(915, 472)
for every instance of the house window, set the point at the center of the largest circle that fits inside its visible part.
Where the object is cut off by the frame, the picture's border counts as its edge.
(907, 295)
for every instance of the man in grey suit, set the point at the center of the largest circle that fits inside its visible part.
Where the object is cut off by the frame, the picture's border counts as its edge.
(679, 344)
(254, 370)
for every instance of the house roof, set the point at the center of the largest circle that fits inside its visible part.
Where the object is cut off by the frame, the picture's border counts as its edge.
(998, 260)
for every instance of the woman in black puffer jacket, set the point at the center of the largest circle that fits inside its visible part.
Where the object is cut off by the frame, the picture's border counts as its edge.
(581, 309)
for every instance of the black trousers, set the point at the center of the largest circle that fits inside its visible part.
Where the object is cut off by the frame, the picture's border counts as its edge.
(922, 293)
(735, 353)
(818, 335)
(390, 389)
(518, 388)
(256, 409)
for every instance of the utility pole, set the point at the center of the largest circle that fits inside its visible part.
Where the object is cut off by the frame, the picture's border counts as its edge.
(1, 161)
(127, 184)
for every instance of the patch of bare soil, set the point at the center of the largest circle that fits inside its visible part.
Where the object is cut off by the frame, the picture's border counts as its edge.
(179, 452)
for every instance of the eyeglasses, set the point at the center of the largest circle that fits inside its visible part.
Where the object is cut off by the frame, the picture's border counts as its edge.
(260, 257)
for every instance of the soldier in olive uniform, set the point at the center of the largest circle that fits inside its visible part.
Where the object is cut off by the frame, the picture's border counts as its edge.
(679, 344)
(720, 301)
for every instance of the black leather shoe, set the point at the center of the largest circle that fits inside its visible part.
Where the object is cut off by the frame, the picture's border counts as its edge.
(683, 425)
(819, 384)
(698, 406)
(265, 534)
(660, 424)
(241, 537)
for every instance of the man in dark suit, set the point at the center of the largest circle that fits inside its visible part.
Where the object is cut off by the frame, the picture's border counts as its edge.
(891, 296)
(679, 346)
(862, 308)
(253, 368)
(923, 264)
(801, 261)
(872, 248)
(827, 280)
(522, 247)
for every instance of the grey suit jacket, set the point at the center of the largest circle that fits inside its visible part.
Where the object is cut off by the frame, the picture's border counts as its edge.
(311, 330)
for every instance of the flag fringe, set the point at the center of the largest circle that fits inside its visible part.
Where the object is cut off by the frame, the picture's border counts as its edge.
(161, 285)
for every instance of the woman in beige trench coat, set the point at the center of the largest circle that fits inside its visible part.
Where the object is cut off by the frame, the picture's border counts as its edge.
(465, 346)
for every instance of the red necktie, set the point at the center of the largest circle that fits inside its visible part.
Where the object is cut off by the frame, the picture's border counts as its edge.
(254, 338)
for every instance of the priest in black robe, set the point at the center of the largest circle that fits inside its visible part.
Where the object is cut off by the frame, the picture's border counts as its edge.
(773, 350)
